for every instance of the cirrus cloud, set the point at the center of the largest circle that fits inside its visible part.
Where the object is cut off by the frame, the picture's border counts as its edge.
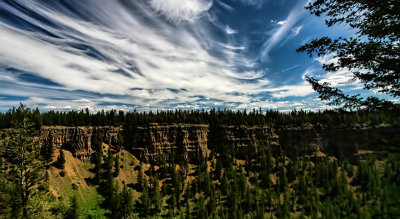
(177, 10)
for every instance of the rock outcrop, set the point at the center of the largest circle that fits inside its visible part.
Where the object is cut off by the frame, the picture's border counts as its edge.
(337, 141)
(78, 139)
(244, 140)
(155, 142)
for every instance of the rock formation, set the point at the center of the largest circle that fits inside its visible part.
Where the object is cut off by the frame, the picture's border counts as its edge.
(78, 139)
(156, 142)
(245, 139)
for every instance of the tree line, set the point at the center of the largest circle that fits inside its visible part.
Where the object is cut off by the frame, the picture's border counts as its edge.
(222, 117)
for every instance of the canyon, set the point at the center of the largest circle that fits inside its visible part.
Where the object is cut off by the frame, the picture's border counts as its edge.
(154, 142)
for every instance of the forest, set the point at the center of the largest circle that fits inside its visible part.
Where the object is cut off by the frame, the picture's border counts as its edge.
(213, 116)
(263, 184)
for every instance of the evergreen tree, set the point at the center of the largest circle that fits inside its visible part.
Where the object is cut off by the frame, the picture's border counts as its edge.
(140, 177)
(116, 166)
(47, 149)
(157, 198)
(283, 181)
(126, 203)
(26, 170)
(145, 203)
(60, 163)
(73, 210)
(107, 187)
(372, 55)
(96, 143)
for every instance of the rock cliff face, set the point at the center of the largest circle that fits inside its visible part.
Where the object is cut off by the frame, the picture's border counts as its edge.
(154, 142)
(338, 141)
(246, 140)
(78, 139)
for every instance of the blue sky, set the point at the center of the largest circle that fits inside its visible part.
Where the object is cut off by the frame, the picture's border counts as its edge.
(162, 54)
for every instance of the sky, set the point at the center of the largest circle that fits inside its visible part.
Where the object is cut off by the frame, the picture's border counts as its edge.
(162, 54)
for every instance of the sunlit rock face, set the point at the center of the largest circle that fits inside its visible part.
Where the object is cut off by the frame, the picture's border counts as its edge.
(78, 139)
(154, 143)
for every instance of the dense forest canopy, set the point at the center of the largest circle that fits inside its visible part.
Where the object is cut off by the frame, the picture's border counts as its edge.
(220, 117)
(266, 183)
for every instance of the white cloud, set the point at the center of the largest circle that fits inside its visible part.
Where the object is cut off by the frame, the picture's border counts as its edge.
(140, 64)
(281, 33)
(297, 90)
(178, 10)
(282, 22)
(297, 30)
(341, 77)
(255, 3)
(230, 31)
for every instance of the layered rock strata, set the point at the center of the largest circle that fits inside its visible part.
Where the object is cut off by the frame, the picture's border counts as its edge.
(245, 140)
(154, 142)
(78, 139)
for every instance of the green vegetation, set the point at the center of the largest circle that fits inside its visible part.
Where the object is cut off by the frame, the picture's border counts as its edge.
(130, 120)
(23, 183)
(265, 183)
(372, 54)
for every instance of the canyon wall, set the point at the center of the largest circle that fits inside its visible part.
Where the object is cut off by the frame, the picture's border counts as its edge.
(155, 142)
(78, 139)
(337, 141)
(246, 140)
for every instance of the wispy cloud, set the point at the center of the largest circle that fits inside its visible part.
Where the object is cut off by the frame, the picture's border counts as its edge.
(255, 3)
(136, 57)
(341, 77)
(297, 30)
(297, 90)
(230, 31)
(154, 54)
(282, 22)
(280, 33)
(177, 10)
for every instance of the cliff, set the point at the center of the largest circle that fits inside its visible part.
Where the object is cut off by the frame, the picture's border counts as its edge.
(246, 140)
(154, 142)
(78, 139)
(157, 142)
(339, 140)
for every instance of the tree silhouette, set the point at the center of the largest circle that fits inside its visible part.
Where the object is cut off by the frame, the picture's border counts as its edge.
(372, 55)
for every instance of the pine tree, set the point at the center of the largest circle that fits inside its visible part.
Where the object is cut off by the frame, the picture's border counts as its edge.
(201, 211)
(157, 198)
(108, 188)
(188, 213)
(371, 54)
(283, 182)
(60, 163)
(47, 149)
(26, 170)
(73, 210)
(140, 177)
(145, 203)
(115, 202)
(126, 203)
(116, 166)
(96, 143)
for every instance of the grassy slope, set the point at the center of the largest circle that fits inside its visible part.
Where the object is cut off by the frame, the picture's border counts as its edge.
(76, 171)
